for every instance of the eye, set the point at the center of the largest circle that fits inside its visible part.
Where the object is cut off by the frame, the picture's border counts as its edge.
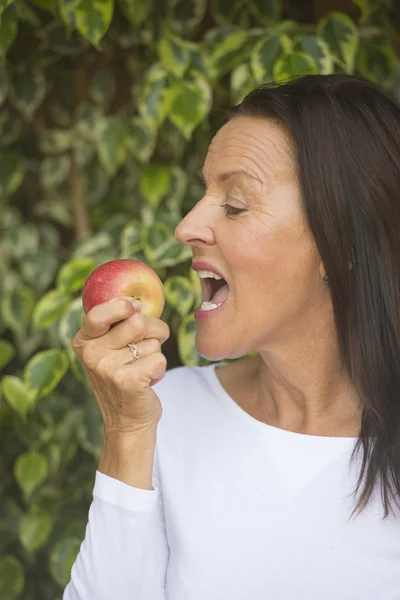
(231, 210)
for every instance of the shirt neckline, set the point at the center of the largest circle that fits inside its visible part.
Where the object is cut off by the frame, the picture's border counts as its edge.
(218, 388)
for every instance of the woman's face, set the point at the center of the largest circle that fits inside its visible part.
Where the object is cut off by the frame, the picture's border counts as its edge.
(266, 253)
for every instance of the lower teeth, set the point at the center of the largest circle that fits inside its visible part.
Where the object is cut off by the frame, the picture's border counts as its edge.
(209, 305)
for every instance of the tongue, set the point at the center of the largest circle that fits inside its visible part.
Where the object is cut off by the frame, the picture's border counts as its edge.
(221, 295)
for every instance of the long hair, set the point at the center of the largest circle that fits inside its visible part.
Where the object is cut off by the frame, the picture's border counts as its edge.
(345, 133)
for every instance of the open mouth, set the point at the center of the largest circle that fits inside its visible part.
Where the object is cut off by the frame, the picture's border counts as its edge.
(215, 290)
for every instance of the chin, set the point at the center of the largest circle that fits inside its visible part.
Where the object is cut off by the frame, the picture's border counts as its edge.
(214, 354)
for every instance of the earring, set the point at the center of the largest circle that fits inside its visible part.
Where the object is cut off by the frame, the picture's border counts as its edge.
(326, 278)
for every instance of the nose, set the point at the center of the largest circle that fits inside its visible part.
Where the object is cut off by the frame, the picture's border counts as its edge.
(195, 229)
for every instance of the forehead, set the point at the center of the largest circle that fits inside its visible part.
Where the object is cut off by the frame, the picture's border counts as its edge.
(258, 145)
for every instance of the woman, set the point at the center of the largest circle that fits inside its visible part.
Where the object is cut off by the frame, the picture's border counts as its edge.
(276, 476)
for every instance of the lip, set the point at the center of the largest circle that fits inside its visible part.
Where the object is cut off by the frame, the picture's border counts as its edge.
(200, 265)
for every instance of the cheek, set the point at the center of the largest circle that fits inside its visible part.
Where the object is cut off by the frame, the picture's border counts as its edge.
(269, 261)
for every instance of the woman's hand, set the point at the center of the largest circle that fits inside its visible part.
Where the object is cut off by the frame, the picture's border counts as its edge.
(122, 386)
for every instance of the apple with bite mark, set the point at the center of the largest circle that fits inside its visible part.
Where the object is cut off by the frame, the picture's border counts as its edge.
(125, 277)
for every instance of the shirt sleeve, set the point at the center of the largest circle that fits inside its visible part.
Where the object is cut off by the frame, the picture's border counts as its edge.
(125, 552)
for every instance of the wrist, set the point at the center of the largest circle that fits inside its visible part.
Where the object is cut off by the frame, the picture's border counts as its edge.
(129, 457)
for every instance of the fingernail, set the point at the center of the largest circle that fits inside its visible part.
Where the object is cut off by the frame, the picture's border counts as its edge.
(136, 305)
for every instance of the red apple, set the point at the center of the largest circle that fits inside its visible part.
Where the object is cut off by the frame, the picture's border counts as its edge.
(125, 277)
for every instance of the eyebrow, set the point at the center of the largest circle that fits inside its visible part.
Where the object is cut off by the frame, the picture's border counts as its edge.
(224, 176)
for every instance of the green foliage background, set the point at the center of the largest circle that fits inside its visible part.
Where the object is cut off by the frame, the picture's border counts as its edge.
(107, 108)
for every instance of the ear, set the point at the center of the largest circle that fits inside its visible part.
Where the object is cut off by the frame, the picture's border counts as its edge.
(322, 269)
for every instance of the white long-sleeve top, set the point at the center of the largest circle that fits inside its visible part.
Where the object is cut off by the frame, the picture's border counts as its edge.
(239, 510)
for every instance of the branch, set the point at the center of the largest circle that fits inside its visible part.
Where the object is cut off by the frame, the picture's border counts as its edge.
(77, 194)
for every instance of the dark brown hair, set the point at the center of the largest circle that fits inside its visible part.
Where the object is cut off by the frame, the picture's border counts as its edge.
(345, 133)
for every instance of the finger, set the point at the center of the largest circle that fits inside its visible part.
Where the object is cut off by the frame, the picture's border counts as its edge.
(114, 361)
(141, 373)
(136, 328)
(100, 318)
(144, 348)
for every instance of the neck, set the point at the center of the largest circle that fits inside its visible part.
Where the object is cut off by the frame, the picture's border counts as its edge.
(304, 389)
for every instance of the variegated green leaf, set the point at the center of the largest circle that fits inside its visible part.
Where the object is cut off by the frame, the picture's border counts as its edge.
(131, 239)
(141, 140)
(54, 170)
(7, 353)
(55, 211)
(5, 4)
(17, 308)
(12, 172)
(45, 370)
(229, 53)
(17, 395)
(90, 433)
(10, 126)
(265, 55)
(178, 293)
(295, 64)
(174, 54)
(242, 82)
(83, 151)
(39, 269)
(70, 323)
(50, 308)
(8, 30)
(136, 11)
(376, 60)
(289, 27)
(96, 182)
(48, 5)
(67, 10)
(97, 246)
(102, 87)
(62, 557)
(189, 105)
(153, 96)
(24, 240)
(342, 36)
(225, 11)
(28, 90)
(318, 50)
(161, 249)
(266, 11)
(184, 15)
(202, 83)
(3, 86)
(112, 145)
(30, 471)
(368, 7)
(56, 141)
(73, 274)
(34, 529)
(187, 342)
(88, 122)
(12, 578)
(53, 455)
(93, 18)
(154, 183)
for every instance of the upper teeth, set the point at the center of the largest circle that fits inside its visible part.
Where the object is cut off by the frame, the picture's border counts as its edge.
(205, 274)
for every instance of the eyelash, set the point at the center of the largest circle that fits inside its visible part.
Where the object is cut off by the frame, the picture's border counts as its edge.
(236, 211)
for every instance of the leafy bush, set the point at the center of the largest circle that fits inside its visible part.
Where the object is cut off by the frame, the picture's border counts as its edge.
(106, 112)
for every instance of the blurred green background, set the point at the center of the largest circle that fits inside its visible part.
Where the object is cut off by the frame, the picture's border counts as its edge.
(107, 108)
